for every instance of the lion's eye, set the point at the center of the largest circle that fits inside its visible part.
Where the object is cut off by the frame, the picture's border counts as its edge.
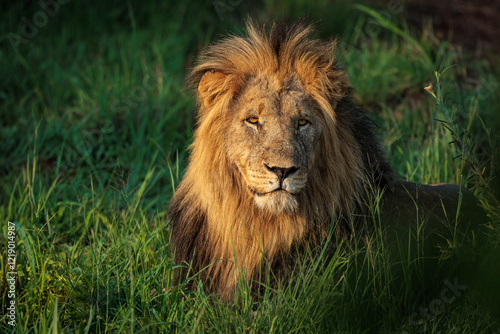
(303, 122)
(252, 120)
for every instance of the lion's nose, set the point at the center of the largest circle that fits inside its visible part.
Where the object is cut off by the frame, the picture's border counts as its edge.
(281, 173)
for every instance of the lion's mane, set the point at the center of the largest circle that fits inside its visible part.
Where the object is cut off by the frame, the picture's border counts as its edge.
(215, 223)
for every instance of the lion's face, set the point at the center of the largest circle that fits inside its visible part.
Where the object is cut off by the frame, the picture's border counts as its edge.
(273, 138)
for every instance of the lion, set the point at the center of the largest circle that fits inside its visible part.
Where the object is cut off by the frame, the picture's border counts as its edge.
(280, 152)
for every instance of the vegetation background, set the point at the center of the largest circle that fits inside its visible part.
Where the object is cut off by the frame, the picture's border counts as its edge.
(95, 121)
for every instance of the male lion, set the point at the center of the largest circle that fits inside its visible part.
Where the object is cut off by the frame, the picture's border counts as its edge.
(280, 151)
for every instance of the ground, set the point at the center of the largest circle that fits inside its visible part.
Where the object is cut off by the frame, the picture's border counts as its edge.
(471, 24)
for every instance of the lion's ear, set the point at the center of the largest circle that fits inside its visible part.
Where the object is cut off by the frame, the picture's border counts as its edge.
(339, 83)
(211, 85)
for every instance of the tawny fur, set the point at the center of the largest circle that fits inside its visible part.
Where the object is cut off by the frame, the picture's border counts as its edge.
(216, 224)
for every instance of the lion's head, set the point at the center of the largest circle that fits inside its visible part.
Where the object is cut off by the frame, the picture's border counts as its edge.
(278, 152)
(273, 140)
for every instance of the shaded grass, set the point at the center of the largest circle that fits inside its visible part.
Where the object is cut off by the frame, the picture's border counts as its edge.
(95, 122)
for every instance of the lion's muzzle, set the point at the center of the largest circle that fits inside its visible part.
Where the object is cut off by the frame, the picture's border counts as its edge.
(275, 187)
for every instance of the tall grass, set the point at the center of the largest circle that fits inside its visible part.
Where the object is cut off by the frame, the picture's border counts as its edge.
(95, 125)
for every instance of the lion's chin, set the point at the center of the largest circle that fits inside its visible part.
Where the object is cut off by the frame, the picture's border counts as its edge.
(277, 202)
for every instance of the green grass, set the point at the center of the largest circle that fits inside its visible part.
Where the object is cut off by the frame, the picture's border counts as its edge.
(95, 122)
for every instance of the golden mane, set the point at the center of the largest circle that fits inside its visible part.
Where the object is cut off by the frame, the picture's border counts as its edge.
(215, 223)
